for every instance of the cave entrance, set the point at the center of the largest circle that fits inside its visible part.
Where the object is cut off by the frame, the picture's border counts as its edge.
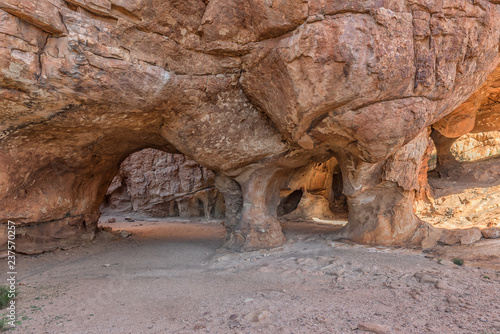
(338, 201)
(463, 175)
(315, 194)
(155, 184)
(289, 203)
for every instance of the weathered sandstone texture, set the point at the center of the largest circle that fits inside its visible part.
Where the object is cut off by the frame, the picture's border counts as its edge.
(461, 208)
(159, 184)
(312, 191)
(249, 89)
(470, 132)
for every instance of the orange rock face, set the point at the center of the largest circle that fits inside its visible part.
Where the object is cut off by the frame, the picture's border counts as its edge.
(249, 89)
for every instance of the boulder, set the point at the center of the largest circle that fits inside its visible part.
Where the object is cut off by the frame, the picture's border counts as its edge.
(463, 236)
(491, 232)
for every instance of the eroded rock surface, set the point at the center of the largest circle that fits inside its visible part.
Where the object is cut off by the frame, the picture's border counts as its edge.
(160, 184)
(251, 90)
(476, 146)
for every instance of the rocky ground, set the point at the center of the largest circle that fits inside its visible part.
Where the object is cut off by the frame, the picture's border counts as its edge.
(474, 207)
(171, 277)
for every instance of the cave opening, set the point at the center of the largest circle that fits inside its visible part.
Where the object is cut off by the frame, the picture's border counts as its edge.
(289, 203)
(165, 187)
(154, 184)
(314, 194)
(338, 202)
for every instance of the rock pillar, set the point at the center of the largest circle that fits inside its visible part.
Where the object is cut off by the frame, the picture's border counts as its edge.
(258, 226)
(380, 197)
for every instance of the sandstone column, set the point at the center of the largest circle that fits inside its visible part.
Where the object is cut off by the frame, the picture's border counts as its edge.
(445, 159)
(233, 199)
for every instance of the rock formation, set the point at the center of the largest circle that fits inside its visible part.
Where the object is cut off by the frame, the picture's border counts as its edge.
(476, 146)
(312, 192)
(250, 89)
(478, 115)
(159, 184)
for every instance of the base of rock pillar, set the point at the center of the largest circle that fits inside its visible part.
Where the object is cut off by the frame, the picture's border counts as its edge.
(424, 236)
(234, 241)
(259, 239)
(258, 236)
(380, 237)
(258, 227)
(383, 215)
(63, 233)
(429, 235)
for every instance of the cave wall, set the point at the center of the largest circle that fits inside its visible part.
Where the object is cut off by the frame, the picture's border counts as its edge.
(159, 184)
(476, 146)
(473, 125)
(309, 194)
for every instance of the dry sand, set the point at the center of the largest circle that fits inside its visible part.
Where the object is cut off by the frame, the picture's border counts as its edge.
(171, 277)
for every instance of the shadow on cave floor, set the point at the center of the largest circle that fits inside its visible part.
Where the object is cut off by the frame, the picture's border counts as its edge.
(474, 174)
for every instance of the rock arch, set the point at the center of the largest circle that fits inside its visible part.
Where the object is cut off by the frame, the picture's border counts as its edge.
(479, 113)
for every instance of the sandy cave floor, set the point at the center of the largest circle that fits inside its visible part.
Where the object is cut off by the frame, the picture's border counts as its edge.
(171, 277)
(457, 208)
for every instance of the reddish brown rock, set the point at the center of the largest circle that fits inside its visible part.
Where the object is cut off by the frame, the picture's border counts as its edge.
(380, 197)
(446, 161)
(252, 90)
(315, 178)
(43, 14)
(259, 223)
(159, 184)
(312, 192)
(478, 114)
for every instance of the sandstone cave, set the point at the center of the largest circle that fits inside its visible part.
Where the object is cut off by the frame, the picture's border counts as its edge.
(159, 184)
(379, 119)
(154, 184)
